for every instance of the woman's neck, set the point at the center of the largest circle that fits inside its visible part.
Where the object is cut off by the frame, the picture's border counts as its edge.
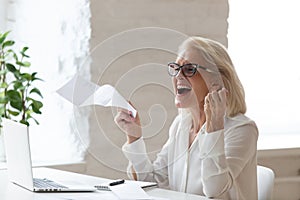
(198, 119)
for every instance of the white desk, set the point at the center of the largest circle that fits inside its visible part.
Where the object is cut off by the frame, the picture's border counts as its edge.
(10, 191)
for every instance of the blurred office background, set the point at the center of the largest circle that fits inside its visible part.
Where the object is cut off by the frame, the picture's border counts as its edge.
(127, 43)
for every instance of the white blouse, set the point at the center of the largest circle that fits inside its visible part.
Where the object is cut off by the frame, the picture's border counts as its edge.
(221, 164)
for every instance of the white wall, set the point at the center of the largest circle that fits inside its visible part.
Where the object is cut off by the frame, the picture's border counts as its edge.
(133, 61)
(3, 8)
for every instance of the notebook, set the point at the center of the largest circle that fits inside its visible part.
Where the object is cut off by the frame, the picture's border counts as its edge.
(19, 163)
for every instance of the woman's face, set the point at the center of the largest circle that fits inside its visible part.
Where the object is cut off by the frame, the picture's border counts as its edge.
(189, 91)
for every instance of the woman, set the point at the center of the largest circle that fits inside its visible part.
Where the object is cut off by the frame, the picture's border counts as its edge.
(212, 145)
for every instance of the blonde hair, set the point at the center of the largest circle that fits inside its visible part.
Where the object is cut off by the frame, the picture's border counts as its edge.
(215, 57)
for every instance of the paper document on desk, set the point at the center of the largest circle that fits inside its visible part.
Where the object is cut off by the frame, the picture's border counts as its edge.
(142, 184)
(81, 92)
(129, 190)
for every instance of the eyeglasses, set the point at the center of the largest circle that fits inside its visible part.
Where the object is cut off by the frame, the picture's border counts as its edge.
(188, 70)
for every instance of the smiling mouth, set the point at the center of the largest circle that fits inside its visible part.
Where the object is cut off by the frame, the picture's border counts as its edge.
(183, 90)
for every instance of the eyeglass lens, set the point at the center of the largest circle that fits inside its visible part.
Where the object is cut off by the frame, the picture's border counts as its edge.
(187, 69)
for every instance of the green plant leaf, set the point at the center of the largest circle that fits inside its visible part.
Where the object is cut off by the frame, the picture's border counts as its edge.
(13, 95)
(3, 85)
(23, 64)
(34, 120)
(17, 75)
(10, 67)
(26, 76)
(3, 100)
(24, 122)
(24, 49)
(11, 102)
(36, 106)
(15, 56)
(37, 79)
(2, 111)
(18, 85)
(34, 78)
(17, 105)
(26, 64)
(3, 37)
(10, 51)
(8, 43)
(23, 52)
(28, 99)
(14, 113)
(37, 91)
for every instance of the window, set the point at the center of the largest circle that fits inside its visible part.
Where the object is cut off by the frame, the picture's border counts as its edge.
(57, 33)
(264, 45)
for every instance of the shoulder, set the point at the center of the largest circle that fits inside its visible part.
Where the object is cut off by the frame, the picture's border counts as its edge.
(241, 124)
(238, 120)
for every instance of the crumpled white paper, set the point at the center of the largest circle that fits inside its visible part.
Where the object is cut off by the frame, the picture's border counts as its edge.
(81, 92)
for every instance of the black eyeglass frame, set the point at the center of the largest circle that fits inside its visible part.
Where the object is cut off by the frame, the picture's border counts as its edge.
(189, 64)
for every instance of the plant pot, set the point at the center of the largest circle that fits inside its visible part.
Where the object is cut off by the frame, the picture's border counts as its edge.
(2, 148)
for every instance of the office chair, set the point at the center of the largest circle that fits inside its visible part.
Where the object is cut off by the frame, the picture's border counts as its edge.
(265, 182)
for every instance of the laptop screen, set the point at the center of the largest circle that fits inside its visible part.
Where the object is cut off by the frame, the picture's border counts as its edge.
(18, 155)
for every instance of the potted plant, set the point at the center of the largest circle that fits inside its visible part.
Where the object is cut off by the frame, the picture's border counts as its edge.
(18, 95)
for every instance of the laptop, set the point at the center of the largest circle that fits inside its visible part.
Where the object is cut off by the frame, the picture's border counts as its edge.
(19, 164)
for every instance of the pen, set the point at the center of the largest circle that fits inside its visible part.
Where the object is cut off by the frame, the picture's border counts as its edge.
(117, 182)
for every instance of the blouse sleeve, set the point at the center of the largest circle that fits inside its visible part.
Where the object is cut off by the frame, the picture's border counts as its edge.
(144, 169)
(139, 161)
(223, 158)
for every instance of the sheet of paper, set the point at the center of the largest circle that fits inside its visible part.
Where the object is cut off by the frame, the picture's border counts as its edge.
(142, 184)
(81, 92)
(129, 190)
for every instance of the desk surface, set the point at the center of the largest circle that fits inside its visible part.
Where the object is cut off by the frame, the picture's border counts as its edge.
(9, 191)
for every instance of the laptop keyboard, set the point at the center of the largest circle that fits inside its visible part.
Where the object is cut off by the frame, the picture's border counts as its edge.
(45, 183)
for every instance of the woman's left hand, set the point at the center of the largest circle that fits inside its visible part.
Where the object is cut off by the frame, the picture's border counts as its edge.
(215, 110)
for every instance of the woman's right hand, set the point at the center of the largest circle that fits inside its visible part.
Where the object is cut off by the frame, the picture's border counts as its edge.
(129, 125)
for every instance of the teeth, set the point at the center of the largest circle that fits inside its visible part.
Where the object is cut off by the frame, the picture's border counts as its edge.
(182, 87)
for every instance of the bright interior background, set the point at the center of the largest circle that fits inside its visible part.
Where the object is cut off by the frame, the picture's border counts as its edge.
(58, 45)
(263, 41)
(264, 45)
